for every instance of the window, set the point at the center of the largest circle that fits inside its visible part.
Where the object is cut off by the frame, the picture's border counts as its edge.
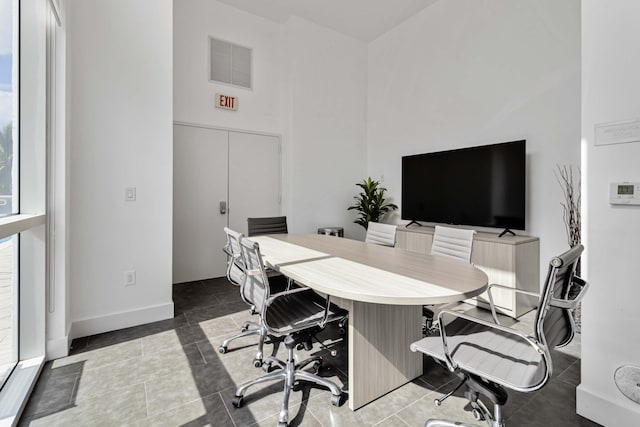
(24, 130)
(8, 188)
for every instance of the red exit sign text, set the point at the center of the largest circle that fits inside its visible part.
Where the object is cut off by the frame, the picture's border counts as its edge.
(227, 102)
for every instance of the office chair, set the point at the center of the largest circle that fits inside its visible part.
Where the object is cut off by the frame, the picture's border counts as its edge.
(267, 225)
(381, 234)
(453, 243)
(295, 316)
(236, 275)
(489, 357)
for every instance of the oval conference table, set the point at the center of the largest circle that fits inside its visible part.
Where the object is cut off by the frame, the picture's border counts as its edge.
(383, 289)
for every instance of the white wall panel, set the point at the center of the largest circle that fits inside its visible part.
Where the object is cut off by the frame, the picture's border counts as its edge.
(610, 66)
(120, 112)
(463, 73)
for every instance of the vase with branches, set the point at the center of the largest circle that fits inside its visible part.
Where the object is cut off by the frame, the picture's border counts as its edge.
(370, 203)
(571, 204)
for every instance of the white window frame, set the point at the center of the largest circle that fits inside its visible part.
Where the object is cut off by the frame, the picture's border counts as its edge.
(35, 130)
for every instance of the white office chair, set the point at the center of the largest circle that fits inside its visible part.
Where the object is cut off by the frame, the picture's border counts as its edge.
(453, 243)
(294, 317)
(381, 234)
(490, 358)
(236, 272)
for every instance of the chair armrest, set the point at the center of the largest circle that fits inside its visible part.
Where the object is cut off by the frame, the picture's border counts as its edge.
(508, 288)
(287, 292)
(572, 303)
(540, 348)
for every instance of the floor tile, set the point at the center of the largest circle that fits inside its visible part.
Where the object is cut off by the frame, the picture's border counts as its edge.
(92, 359)
(98, 381)
(208, 411)
(115, 408)
(136, 332)
(553, 407)
(392, 421)
(170, 373)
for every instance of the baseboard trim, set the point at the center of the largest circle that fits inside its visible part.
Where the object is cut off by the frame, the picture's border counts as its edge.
(125, 319)
(602, 410)
(57, 348)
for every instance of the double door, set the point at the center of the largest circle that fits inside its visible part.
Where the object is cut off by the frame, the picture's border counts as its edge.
(220, 178)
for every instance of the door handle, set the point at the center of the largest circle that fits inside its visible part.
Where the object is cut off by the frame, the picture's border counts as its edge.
(223, 207)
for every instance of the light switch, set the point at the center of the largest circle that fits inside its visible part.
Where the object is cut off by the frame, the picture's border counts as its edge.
(130, 194)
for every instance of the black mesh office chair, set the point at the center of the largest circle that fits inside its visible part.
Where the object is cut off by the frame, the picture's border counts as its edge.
(489, 357)
(267, 225)
(295, 316)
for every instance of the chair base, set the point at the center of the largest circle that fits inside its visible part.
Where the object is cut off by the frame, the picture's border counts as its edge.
(261, 331)
(290, 372)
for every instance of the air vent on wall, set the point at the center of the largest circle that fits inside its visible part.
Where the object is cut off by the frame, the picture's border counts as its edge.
(229, 63)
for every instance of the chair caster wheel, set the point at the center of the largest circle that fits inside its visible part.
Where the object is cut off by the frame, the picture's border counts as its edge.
(438, 402)
(222, 349)
(237, 401)
(282, 424)
(244, 329)
(257, 363)
(336, 399)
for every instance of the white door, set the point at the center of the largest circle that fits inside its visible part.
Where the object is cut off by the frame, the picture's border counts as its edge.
(254, 178)
(200, 175)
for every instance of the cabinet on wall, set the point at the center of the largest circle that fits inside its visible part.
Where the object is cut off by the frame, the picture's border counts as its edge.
(510, 261)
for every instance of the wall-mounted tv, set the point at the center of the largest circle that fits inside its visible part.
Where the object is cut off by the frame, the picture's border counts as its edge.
(482, 186)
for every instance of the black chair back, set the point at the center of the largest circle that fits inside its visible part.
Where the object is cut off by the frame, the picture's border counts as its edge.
(267, 225)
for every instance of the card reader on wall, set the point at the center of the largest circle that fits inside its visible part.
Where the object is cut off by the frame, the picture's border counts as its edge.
(624, 193)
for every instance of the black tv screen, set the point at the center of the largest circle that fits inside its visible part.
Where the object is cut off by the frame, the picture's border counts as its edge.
(481, 186)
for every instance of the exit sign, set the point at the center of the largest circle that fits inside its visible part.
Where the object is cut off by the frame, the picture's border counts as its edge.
(227, 102)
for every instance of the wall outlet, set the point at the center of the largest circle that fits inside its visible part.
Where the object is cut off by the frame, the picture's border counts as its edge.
(130, 278)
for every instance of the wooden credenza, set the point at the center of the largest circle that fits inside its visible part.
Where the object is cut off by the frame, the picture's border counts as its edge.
(512, 261)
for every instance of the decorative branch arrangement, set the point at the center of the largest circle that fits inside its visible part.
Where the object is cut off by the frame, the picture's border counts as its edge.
(571, 204)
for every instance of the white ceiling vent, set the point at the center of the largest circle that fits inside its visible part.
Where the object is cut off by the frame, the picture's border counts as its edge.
(229, 63)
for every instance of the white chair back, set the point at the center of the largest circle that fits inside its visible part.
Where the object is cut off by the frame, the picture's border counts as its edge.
(453, 242)
(381, 234)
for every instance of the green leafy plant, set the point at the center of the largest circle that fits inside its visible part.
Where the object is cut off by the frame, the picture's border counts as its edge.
(370, 202)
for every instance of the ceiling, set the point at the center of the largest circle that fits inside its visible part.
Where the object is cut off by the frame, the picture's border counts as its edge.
(363, 19)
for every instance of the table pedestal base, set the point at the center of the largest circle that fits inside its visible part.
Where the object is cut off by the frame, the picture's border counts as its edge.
(379, 356)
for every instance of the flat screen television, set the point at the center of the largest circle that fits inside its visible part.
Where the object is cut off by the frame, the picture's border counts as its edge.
(481, 186)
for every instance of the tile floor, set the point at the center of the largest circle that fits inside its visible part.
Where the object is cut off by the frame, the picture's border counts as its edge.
(169, 373)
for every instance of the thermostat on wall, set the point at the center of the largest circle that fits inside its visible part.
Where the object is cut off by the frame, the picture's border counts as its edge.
(624, 193)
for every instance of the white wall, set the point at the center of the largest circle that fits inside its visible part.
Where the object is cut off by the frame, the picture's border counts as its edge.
(120, 107)
(610, 70)
(309, 86)
(258, 108)
(464, 73)
(326, 101)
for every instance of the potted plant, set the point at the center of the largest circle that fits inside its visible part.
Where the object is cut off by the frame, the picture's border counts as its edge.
(370, 202)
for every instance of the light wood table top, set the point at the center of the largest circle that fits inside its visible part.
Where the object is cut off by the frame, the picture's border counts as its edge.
(370, 273)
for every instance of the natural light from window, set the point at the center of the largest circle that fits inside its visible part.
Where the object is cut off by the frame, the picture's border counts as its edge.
(8, 245)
